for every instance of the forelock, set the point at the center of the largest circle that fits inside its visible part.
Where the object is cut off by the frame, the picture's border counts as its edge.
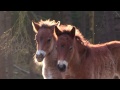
(47, 23)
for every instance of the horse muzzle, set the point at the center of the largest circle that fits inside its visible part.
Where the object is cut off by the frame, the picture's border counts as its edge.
(62, 67)
(40, 57)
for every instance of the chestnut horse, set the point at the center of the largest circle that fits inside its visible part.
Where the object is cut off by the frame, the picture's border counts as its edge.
(46, 52)
(79, 59)
(114, 47)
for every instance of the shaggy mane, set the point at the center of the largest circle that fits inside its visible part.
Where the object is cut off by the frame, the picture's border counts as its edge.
(47, 23)
(67, 28)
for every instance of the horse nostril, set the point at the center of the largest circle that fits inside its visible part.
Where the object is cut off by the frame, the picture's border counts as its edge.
(62, 68)
(39, 56)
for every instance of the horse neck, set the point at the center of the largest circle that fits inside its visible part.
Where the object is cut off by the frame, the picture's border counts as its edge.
(51, 58)
(52, 48)
(78, 55)
(75, 59)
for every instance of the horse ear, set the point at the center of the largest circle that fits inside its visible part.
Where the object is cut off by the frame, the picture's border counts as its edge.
(58, 23)
(57, 31)
(72, 32)
(35, 26)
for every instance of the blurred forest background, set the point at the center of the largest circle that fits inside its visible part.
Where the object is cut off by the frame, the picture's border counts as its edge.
(17, 44)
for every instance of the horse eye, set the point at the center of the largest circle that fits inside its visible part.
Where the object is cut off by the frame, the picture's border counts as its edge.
(70, 48)
(62, 46)
(49, 40)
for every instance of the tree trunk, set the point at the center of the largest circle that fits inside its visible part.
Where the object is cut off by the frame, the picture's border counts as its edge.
(109, 20)
(83, 22)
(91, 21)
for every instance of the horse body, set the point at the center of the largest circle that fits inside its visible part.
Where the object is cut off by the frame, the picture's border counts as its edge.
(45, 38)
(114, 47)
(102, 61)
(96, 63)
(85, 60)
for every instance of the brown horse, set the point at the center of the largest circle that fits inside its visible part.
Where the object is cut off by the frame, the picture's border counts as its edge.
(46, 52)
(78, 59)
(114, 47)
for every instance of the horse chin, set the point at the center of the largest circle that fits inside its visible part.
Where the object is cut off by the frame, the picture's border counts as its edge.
(39, 59)
(62, 70)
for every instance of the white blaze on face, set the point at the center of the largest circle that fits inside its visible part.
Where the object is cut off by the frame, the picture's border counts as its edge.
(40, 52)
(62, 62)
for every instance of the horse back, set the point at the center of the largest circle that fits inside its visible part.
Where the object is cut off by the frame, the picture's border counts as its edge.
(101, 62)
(114, 47)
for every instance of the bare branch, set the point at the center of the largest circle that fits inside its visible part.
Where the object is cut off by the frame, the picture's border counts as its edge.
(22, 70)
(117, 13)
